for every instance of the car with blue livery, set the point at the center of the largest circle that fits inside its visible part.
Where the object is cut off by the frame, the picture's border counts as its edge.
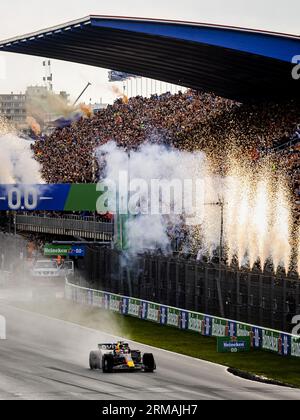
(118, 357)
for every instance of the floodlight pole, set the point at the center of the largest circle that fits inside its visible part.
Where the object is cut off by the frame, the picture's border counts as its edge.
(94, 155)
(87, 86)
(220, 204)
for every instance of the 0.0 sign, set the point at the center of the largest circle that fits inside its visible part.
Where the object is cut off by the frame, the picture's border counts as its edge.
(22, 199)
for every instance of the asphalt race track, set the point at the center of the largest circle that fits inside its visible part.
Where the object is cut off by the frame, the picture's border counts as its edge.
(44, 358)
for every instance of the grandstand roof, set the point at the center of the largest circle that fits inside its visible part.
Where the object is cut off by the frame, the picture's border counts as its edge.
(236, 63)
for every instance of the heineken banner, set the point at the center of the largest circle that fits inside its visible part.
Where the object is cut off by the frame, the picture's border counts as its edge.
(233, 345)
(237, 336)
(51, 250)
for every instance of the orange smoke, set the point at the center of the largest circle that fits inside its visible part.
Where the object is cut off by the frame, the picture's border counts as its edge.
(120, 94)
(86, 110)
(34, 125)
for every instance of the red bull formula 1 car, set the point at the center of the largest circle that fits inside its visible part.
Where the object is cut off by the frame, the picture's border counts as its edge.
(119, 357)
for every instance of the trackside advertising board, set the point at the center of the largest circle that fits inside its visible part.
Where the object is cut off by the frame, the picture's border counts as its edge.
(231, 345)
(227, 331)
(52, 197)
(51, 250)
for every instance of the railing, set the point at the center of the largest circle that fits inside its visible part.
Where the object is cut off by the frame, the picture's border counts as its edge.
(85, 227)
(254, 297)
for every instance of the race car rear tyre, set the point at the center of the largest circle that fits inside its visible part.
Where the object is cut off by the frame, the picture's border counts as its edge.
(95, 360)
(149, 363)
(108, 363)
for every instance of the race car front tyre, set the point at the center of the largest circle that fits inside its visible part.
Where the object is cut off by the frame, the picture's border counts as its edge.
(136, 356)
(95, 360)
(149, 363)
(108, 363)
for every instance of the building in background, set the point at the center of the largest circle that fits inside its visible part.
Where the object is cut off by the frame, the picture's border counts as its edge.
(13, 108)
(44, 105)
(38, 102)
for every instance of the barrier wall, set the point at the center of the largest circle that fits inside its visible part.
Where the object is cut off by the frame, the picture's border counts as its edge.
(206, 325)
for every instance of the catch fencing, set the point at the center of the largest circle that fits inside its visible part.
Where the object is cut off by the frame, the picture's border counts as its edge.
(254, 297)
(206, 325)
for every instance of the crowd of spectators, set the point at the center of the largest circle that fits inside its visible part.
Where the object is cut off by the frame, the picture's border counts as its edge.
(189, 121)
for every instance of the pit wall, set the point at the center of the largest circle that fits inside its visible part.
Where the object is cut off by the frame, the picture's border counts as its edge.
(261, 338)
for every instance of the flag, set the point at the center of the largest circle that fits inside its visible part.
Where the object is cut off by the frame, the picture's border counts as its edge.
(119, 76)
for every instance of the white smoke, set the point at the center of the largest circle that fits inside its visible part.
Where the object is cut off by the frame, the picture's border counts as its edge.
(18, 165)
(256, 204)
(151, 162)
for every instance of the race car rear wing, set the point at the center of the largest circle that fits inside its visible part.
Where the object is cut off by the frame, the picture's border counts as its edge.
(110, 347)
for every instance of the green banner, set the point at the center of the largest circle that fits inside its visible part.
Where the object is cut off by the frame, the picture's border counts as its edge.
(219, 328)
(134, 308)
(295, 351)
(234, 345)
(57, 250)
(153, 313)
(243, 330)
(196, 322)
(173, 319)
(270, 340)
(51, 250)
(115, 303)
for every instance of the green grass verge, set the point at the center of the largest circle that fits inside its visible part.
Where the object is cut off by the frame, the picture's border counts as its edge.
(269, 365)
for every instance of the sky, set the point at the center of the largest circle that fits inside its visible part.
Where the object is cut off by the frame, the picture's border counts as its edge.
(19, 17)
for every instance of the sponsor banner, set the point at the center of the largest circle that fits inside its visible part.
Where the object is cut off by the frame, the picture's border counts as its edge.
(270, 340)
(106, 301)
(207, 326)
(144, 311)
(259, 338)
(51, 250)
(51, 197)
(98, 299)
(243, 330)
(153, 313)
(173, 317)
(163, 315)
(125, 306)
(232, 329)
(219, 328)
(115, 303)
(184, 316)
(90, 297)
(196, 323)
(134, 308)
(233, 345)
(295, 346)
(285, 342)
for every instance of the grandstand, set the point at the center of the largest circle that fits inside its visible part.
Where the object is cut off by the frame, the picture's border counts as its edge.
(236, 63)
